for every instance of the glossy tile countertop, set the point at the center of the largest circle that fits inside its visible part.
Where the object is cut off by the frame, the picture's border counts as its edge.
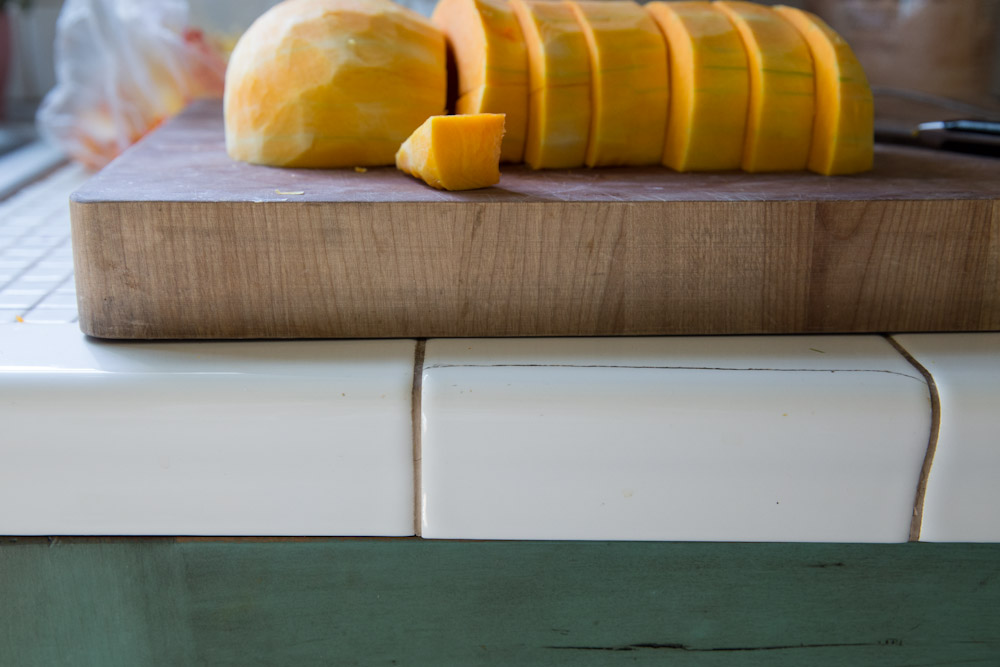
(264, 438)
(732, 438)
(858, 438)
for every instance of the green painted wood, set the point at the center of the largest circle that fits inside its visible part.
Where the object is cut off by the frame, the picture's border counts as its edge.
(413, 602)
(93, 603)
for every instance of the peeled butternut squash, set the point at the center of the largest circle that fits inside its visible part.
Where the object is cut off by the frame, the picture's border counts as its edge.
(455, 152)
(485, 38)
(782, 89)
(843, 130)
(628, 83)
(559, 83)
(692, 84)
(709, 87)
(332, 83)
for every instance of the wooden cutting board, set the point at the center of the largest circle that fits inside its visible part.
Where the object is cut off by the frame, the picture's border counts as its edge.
(175, 240)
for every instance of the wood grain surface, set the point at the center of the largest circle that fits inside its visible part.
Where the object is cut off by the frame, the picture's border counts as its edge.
(169, 602)
(175, 240)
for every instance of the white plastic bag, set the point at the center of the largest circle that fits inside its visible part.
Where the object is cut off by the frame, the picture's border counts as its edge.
(123, 66)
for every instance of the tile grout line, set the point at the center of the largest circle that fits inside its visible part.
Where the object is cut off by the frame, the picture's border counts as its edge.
(684, 368)
(417, 420)
(34, 262)
(916, 520)
(48, 218)
(48, 294)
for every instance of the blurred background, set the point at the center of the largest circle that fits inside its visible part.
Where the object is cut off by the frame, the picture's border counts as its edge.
(926, 59)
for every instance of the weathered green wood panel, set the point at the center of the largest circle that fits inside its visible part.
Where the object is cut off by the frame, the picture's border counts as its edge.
(411, 602)
(92, 603)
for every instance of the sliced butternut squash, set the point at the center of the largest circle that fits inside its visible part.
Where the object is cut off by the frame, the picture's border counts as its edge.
(782, 89)
(492, 63)
(709, 87)
(455, 152)
(843, 131)
(628, 83)
(332, 83)
(559, 85)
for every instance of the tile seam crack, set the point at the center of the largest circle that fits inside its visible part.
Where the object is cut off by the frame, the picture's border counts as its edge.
(916, 521)
(415, 417)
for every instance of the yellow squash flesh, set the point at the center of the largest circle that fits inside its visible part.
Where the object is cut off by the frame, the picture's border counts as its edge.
(628, 72)
(332, 83)
(843, 131)
(559, 84)
(709, 87)
(492, 63)
(782, 89)
(455, 152)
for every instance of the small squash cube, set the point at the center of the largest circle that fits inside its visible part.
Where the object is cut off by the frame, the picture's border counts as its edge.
(455, 152)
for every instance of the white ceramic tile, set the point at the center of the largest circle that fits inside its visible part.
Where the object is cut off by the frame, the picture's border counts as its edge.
(39, 242)
(58, 300)
(735, 439)
(50, 315)
(218, 438)
(25, 252)
(20, 290)
(45, 279)
(13, 264)
(962, 501)
(16, 301)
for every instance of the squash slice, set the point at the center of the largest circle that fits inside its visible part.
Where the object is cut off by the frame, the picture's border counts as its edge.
(843, 131)
(782, 89)
(486, 40)
(559, 84)
(628, 75)
(709, 87)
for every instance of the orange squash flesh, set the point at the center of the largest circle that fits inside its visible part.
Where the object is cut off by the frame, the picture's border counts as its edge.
(304, 87)
(782, 89)
(709, 87)
(492, 63)
(628, 71)
(843, 131)
(559, 85)
(455, 152)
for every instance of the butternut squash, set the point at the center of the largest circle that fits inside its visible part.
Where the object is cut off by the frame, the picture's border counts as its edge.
(782, 89)
(455, 152)
(485, 38)
(628, 83)
(843, 131)
(559, 85)
(332, 83)
(709, 87)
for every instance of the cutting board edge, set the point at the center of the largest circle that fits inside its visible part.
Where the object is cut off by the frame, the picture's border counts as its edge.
(116, 244)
